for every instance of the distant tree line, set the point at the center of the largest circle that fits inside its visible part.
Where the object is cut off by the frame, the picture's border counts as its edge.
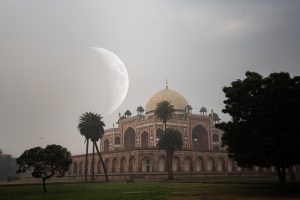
(8, 166)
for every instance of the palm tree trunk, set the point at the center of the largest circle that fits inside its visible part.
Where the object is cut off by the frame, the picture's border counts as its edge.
(93, 163)
(86, 159)
(103, 164)
(169, 164)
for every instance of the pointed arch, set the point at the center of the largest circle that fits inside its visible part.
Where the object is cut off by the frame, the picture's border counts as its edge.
(106, 145)
(215, 138)
(146, 164)
(144, 139)
(106, 162)
(162, 164)
(122, 165)
(200, 138)
(131, 164)
(80, 168)
(176, 164)
(129, 138)
(220, 164)
(210, 164)
(188, 164)
(114, 165)
(117, 140)
(199, 164)
(75, 167)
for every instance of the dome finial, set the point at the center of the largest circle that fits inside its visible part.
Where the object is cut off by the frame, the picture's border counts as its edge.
(166, 83)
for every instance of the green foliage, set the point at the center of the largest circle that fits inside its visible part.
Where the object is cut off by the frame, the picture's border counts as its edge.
(45, 162)
(164, 111)
(91, 126)
(264, 129)
(171, 140)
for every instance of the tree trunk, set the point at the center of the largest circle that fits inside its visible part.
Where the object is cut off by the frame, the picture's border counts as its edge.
(169, 164)
(44, 185)
(86, 159)
(93, 163)
(103, 164)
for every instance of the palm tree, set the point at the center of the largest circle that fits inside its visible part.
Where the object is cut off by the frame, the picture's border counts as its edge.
(92, 127)
(164, 111)
(127, 113)
(140, 110)
(170, 141)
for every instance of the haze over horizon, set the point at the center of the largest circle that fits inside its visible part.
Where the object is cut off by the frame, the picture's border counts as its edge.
(49, 75)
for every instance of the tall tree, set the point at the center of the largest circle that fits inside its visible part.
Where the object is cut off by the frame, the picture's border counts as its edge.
(264, 128)
(91, 124)
(170, 141)
(164, 111)
(45, 162)
(83, 121)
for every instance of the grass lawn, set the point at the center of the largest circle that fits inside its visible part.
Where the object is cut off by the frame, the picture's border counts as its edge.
(144, 190)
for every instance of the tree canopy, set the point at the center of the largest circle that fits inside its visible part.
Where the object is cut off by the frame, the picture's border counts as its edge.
(164, 111)
(92, 127)
(264, 129)
(45, 162)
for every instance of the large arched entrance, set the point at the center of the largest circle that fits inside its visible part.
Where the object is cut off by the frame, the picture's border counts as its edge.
(129, 138)
(200, 138)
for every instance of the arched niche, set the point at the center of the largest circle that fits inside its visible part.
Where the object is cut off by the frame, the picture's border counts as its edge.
(162, 162)
(114, 165)
(129, 138)
(176, 164)
(210, 165)
(75, 167)
(122, 165)
(106, 145)
(117, 140)
(80, 168)
(146, 164)
(131, 164)
(199, 164)
(188, 164)
(144, 139)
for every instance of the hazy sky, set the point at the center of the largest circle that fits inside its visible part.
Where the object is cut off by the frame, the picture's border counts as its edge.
(49, 75)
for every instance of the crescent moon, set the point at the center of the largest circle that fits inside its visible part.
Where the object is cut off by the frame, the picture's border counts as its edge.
(120, 81)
